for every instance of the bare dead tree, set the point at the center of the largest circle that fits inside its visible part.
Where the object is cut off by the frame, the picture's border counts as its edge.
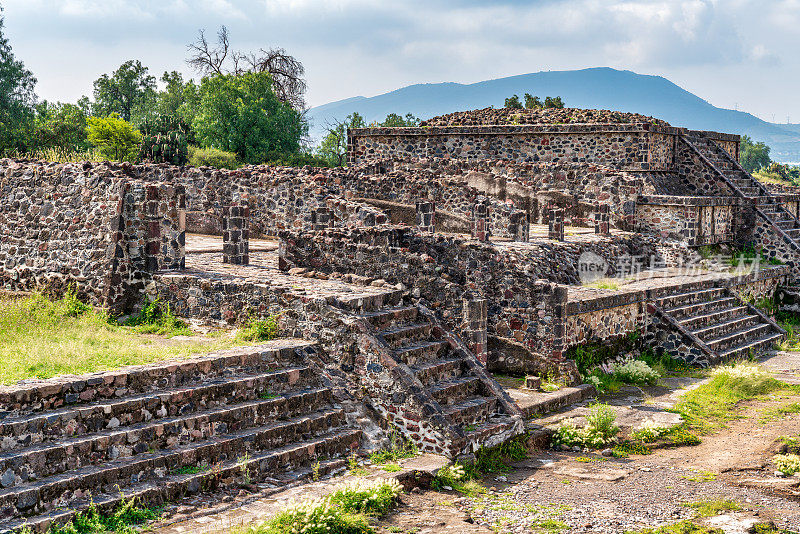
(287, 72)
(207, 60)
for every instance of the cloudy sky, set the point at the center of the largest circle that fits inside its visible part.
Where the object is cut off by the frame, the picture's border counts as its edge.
(734, 53)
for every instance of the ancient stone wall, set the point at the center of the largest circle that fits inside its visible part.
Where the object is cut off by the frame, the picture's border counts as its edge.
(696, 220)
(695, 176)
(85, 225)
(624, 146)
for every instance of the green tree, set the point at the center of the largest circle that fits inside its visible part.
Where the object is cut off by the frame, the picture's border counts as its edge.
(333, 147)
(114, 138)
(533, 102)
(129, 91)
(16, 98)
(241, 114)
(553, 102)
(393, 120)
(60, 126)
(178, 98)
(513, 102)
(753, 156)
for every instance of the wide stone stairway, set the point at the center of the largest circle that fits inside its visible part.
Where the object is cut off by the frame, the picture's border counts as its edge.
(254, 415)
(721, 325)
(457, 395)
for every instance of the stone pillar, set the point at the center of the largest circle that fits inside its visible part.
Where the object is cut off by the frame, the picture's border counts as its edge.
(165, 219)
(555, 219)
(480, 219)
(321, 218)
(426, 215)
(519, 226)
(602, 220)
(476, 320)
(236, 234)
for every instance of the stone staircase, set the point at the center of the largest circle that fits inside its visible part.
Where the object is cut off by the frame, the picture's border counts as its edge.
(163, 431)
(727, 166)
(464, 407)
(718, 322)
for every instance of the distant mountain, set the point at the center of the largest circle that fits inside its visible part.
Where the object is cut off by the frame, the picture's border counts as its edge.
(597, 88)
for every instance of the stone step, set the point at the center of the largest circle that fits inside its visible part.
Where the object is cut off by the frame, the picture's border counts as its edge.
(786, 224)
(279, 466)
(399, 336)
(455, 390)
(751, 348)
(691, 297)
(430, 372)
(750, 191)
(727, 327)
(39, 496)
(726, 341)
(419, 354)
(56, 393)
(368, 303)
(470, 411)
(22, 431)
(688, 311)
(384, 317)
(709, 318)
(794, 233)
(492, 427)
(50, 458)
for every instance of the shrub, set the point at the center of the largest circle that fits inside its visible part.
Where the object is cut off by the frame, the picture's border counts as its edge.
(599, 431)
(114, 138)
(649, 431)
(165, 139)
(636, 372)
(788, 464)
(212, 157)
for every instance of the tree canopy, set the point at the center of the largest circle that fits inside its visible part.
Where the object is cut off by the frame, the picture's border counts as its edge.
(128, 91)
(753, 156)
(241, 114)
(17, 97)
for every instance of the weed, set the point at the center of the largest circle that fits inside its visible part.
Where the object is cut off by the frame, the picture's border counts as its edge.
(701, 476)
(260, 329)
(788, 464)
(712, 507)
(315, 472)
(354, 467)
(243, 464)
(345, 511)
(635, 372)
(600, 429)
(549, 525)
(772, 414)
(266, 395)
(399, 449)
(123, 520)
(684, 527)
(392, 468)
(157, 318)
(190, 470)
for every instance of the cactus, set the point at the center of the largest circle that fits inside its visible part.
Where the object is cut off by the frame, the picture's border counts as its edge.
(165, 139)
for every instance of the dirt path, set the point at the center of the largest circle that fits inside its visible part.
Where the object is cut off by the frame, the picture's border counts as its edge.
(562, 492)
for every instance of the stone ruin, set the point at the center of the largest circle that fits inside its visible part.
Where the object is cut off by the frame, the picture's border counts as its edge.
(440, 255)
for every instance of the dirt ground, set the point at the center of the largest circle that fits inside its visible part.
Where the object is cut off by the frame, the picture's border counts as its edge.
(572, 492)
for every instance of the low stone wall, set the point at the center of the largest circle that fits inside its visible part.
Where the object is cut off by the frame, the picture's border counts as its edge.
(695, 220)
(773, 242)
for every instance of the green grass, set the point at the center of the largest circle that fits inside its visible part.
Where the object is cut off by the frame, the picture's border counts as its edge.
(549, 525)
(44, 338)
(260, 329)
(684, 527)
(713, 507)
(710, 406)
(773, 414)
